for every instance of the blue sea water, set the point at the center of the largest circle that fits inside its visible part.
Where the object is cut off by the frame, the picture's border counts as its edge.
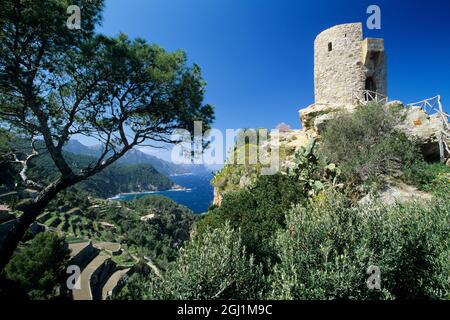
(198, 196)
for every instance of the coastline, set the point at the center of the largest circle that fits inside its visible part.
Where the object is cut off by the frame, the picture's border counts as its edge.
(181, 174)
(173, 189)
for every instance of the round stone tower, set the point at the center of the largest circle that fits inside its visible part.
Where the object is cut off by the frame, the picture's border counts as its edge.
(345, 64)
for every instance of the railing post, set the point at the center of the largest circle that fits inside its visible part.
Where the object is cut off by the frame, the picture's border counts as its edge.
(440, 134)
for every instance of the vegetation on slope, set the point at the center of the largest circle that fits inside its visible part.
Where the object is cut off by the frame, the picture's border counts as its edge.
(38, 266)
(313, 237)
(328, 246)
(365, 144)
(212, 267)
(153, 225)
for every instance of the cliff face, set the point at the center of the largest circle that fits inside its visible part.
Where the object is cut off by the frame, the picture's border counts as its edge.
(218, 197)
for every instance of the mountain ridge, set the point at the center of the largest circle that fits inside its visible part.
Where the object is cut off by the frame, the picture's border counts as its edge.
(135, 156)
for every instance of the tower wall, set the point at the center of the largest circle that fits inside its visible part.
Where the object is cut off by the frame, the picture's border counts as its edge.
(338, 70)
(344, 64)
(374, 61)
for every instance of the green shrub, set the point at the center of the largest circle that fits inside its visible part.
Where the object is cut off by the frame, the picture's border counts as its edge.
(258, 212)
(365, 144)
(429, 177)
(326, 250)
(313, 171)
(38, 267)
(211, 267)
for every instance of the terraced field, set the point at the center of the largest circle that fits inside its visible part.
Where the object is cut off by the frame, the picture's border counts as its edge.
(85, 291)
(112, 282)
(99, 244)
(75, 225)
(102, 269)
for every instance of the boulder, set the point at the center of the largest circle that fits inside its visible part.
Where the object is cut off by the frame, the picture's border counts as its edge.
(424, 129)
(309, 114)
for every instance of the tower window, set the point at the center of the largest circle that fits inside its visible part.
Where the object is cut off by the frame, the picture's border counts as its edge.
(330, 46)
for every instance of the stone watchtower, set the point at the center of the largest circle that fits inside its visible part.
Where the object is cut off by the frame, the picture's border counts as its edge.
(345, 65)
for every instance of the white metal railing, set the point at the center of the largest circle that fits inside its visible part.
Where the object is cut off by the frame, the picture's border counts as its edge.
(434, 106)
(363, 97)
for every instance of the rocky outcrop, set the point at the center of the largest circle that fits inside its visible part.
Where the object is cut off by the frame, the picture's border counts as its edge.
(315, 112)
(218, 197)
(397, 192)
(424, 129)
(414, 122)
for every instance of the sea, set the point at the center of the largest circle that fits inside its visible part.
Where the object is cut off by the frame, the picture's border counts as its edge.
(197, 194)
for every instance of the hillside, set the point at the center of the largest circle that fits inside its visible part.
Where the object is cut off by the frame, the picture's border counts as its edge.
(108, 238)
(133, 156)
(355, 193)
(153, 226)
(118, 178)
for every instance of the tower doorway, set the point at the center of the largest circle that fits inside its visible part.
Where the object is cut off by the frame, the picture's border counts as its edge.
(371, 86)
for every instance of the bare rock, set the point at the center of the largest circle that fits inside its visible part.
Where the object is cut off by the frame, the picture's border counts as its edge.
(309, 114)
(321, 121)
(218, 197)
(424, 129)
(245, 182)
(395, 192)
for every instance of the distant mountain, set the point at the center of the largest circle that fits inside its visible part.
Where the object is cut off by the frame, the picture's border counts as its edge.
(76, 147)
(131, 157)
(117, 178)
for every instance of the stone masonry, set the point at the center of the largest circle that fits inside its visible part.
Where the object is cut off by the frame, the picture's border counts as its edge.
(345, 63)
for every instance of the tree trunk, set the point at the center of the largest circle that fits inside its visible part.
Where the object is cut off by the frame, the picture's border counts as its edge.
(28, 216)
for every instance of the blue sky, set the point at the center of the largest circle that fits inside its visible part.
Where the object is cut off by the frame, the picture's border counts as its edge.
(257, 55)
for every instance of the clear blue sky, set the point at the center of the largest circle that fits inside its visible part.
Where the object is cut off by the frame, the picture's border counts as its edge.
(257, 55)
